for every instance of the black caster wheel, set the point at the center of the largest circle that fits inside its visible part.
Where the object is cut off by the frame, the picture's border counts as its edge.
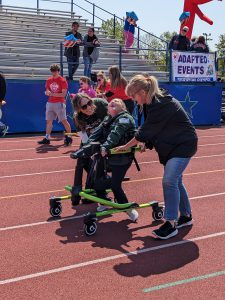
(158, 214)
(90, 228)
(56, 210)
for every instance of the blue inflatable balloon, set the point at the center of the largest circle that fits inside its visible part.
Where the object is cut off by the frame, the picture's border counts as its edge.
(184, 16)
(70, 37)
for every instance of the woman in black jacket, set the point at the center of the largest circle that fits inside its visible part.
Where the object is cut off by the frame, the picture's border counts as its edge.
(168, 129)
(89, 113)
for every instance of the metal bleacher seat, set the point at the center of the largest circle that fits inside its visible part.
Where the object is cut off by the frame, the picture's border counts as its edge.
(30, 43)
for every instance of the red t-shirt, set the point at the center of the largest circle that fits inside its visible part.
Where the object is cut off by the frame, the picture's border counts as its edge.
(119, 92)
(56, 85)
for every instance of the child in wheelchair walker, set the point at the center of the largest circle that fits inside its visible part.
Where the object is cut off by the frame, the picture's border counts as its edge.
(117, 129)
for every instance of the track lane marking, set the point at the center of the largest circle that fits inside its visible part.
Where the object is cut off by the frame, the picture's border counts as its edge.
(67, 156)
(126, 182)
(184, 281)
(108, 258)
(26, 149)
(77, 217)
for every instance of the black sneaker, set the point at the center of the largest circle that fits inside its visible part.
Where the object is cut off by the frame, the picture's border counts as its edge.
(165, 231)
(44, 142)
(68, 140)
(184, 221)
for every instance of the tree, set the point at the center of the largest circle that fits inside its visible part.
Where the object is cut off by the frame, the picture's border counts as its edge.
(157, 53)
(221, 55)
(108, 26)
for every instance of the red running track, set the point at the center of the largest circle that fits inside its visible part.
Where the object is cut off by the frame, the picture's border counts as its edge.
(46, 259)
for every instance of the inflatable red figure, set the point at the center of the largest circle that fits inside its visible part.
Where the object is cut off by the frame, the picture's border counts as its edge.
(191, 6)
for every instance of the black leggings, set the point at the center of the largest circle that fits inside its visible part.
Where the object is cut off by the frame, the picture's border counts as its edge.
(82, 164)
(114, 182)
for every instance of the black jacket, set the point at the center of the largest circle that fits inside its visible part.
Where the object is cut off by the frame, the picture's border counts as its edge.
(179, 42)
(168, 129)
(200, 47)
(90, 123)
(75, 50)
(113, 132)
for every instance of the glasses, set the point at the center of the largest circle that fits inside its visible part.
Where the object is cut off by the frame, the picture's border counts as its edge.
(184, 30)
(85, 106)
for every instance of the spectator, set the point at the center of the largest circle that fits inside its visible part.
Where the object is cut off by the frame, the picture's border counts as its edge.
(116, 88)
(3, 128)
(200, 45)
(101, 84)
(56, 90)
(180, 41)
(89, 54)
(86, 88)
(73, 53)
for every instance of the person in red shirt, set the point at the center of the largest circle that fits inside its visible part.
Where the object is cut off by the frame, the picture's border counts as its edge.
(56, 89)
(115, 89)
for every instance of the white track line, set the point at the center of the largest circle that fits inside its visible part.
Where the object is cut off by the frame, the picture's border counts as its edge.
(109, 258)
(81, 216)
(49, 147)
(67, 156)
(131, 181)
(33, 159)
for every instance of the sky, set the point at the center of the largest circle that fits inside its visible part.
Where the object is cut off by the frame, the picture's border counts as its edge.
(156, 16)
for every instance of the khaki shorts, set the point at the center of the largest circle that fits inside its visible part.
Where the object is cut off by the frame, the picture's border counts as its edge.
(55, 110)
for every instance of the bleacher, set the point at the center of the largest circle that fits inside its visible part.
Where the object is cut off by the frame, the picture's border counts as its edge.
(30, 43)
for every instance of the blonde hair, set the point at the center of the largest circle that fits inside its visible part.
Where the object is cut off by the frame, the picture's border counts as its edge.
(117, 79)
(144, 82)
(120, 105)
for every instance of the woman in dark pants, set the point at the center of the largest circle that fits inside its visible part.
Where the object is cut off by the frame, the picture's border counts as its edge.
(89, 113)
(168, 129)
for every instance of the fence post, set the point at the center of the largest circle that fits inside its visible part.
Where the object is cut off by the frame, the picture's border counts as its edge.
(61, 59)
(93, 15)
(120, 58)
(38, 7)
(0, 2)
(114, 26)
(138, 40)
(72, 13)
(170, 62)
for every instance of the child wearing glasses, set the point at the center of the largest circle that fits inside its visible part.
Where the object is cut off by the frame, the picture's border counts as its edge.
(101, 84)
(86, 88)
(89, 113)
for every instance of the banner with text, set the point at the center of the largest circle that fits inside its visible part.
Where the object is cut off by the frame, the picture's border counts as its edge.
(193, 67)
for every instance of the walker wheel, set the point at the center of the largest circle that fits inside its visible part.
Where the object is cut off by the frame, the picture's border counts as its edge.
(158, 214)
(90, 228)
(56, 210)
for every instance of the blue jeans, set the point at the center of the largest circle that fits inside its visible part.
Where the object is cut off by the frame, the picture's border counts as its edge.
(73, 64)
(175, 195)
(87, 66)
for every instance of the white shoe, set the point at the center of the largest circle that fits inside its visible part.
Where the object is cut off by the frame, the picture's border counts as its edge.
(101, 208)
(133, 214)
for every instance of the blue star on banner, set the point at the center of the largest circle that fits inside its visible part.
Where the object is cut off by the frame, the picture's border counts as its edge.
(188, 105)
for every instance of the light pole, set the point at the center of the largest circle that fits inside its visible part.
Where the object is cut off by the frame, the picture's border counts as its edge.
(207, 37)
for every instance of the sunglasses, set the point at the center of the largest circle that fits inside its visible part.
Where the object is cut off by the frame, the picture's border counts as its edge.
(184, 31)
(85, 106)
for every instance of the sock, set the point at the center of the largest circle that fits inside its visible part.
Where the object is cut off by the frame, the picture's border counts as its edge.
(47, 136)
